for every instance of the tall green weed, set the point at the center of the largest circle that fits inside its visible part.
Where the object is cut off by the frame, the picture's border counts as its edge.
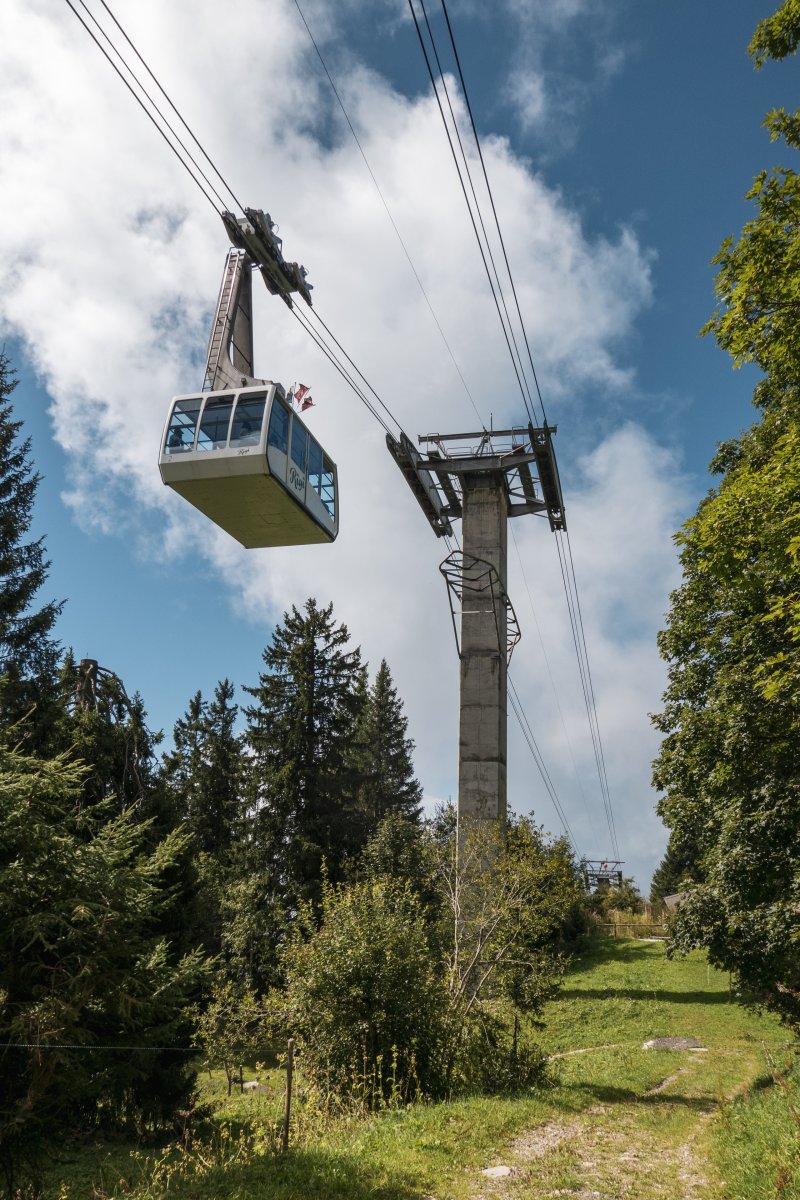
(757, 1138)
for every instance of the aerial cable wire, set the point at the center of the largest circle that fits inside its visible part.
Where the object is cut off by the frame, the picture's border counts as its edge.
(567, 570)
(318, 338)
(315, 315)
(591, 688)
(466, 198)
(570, 586)
(527, 732)
(527, 397)
(546, 658)
(388, 210)
(144, 107)
(516, 703)
(302, 320)
(497, 290)
(491, 199)
(174, 108)
(593, 717)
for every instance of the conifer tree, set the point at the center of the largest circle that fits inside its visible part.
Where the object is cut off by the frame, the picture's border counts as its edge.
(202, 780)
(383, 756)
(107, 730)
(84, 964)
(204, 771)
(300, 728)
(28, 654)
(678, 864)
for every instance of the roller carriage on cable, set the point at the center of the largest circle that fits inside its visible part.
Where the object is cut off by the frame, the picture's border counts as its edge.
(237, 450)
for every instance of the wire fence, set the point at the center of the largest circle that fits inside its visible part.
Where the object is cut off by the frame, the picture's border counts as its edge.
(641, 928)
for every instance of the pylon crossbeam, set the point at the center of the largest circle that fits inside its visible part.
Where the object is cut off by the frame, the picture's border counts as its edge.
(522, 459)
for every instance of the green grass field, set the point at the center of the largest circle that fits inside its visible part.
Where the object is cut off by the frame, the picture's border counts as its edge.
(616, 1121)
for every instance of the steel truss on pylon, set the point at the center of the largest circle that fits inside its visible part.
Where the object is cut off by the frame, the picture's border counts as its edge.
(474, 584)
(523, 457)
(602, 872)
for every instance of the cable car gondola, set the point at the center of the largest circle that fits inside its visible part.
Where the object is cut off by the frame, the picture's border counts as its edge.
(250, 464)
(237, 450)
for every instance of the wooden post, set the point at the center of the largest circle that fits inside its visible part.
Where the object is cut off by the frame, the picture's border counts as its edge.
(287, 1112)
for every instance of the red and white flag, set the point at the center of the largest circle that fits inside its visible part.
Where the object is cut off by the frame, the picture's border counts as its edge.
(301, 397)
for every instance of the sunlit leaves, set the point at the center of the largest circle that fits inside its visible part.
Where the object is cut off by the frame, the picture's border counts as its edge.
(729, 766)
(777, 36)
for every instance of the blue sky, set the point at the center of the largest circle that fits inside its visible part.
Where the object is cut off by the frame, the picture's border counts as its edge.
(620, 140)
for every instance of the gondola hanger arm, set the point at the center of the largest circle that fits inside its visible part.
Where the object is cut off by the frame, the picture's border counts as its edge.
(255, 233)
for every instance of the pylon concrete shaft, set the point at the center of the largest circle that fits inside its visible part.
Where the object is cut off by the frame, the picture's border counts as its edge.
(483, 723)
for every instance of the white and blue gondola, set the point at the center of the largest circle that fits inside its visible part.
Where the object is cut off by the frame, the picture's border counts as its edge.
(247, 461)
(237, 450)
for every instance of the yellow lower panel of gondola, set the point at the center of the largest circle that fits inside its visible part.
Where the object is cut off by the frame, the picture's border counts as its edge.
(254, 509)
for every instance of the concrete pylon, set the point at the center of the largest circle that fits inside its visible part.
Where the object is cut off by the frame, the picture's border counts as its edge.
(483, 721)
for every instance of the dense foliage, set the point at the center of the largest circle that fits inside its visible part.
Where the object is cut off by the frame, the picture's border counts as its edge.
(622, 897)
(729, 767)
(366, 994)
(87, 982)
(122, 878)
(398, 986)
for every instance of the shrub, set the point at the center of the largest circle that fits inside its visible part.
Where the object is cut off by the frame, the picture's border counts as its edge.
(232, 1028)
(494, 1059)
(509, 894)
(365, 999)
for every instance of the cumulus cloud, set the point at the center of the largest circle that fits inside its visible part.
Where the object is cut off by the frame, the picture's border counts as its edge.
(109, 267)
(625, 501)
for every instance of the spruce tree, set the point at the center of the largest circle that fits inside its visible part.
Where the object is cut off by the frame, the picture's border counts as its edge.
(203, 773)
(28, 654)
(300, 729)
(383, 756)
(202, 779)
(678, 865)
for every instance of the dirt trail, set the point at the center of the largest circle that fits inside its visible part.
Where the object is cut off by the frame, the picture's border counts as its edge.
(632, 1118)
(641, 1148)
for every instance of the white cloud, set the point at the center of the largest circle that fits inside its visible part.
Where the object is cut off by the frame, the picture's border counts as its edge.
(543, 87)
(625, 502)
(109, 265)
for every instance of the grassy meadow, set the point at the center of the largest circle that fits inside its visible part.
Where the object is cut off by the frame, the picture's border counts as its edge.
(614, 1121)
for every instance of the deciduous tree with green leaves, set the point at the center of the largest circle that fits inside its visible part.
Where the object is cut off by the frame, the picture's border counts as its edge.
(365, 995)
(729, 767)
(231, 1029)
(512, 898)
